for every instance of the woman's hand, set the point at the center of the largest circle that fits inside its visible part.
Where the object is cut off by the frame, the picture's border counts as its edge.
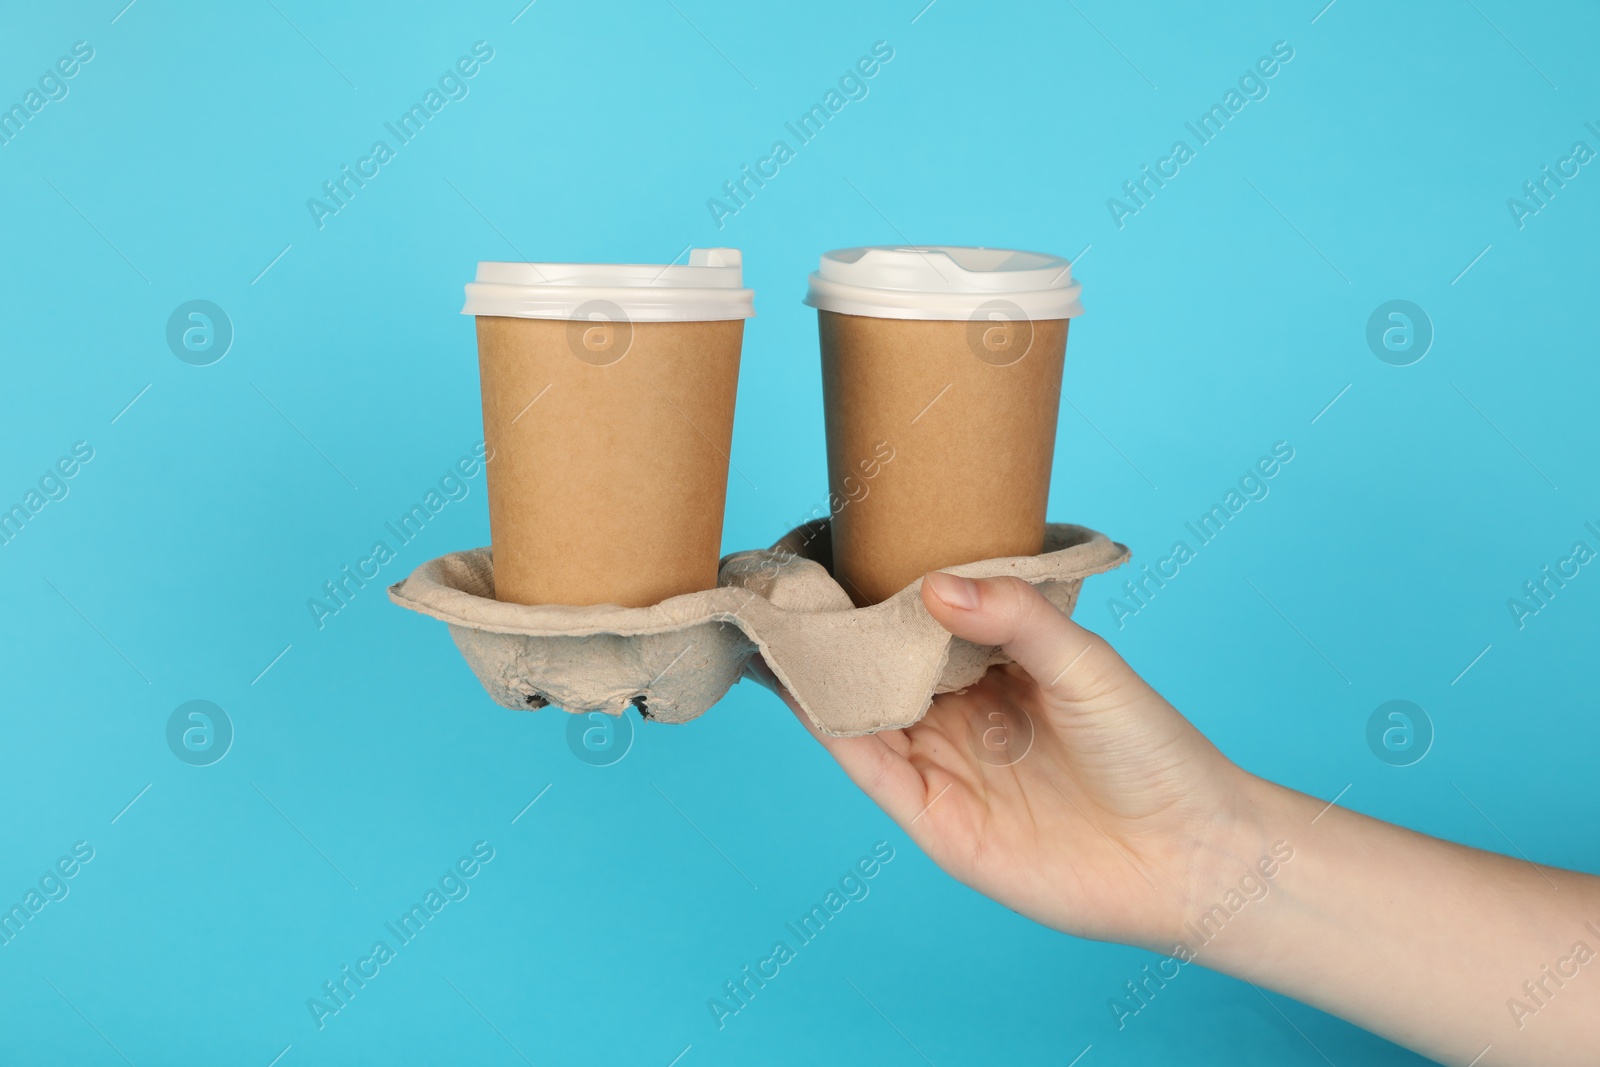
(1066, 788)
(1061, 785)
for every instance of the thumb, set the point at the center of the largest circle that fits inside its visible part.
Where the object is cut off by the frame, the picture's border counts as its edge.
(1065, 660)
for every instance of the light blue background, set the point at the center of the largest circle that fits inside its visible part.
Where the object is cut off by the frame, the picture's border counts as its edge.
(1222, 318)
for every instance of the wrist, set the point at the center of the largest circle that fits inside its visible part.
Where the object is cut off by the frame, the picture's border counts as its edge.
(1236, 864)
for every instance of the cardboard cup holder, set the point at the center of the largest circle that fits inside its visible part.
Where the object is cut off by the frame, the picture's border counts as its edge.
(852, 670)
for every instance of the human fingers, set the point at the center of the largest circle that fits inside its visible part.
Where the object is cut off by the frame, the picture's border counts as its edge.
(1065, 660)
(875, 762)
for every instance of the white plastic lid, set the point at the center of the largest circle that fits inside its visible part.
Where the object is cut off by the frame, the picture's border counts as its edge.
(943, 282)
(709, 287)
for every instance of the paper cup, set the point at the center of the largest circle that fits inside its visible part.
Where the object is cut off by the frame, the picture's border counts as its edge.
(941, 381)
(608, 396)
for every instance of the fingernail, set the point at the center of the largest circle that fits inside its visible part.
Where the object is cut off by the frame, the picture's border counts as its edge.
(956, 591)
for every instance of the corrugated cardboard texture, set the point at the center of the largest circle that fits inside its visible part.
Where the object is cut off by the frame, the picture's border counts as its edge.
(968, 411)
(853, 670)
(595, 428)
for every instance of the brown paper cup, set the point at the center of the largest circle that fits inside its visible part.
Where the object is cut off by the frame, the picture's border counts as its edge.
(608, 478)
(608, 396)
(941, 383)
(937, 456)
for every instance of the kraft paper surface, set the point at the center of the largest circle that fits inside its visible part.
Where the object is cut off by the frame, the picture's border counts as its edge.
(968, 412)
(591, 425)
(852, 670)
